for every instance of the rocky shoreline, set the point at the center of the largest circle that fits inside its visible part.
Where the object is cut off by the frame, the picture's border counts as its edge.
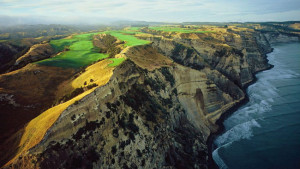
(211, 162)
(272, 39)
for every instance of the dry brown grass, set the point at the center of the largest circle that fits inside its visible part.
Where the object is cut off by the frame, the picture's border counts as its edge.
(147, 57)
(36, 51)
(36, 129)
(32, 83)
(98, 73)
(32, 88)
(295, 26)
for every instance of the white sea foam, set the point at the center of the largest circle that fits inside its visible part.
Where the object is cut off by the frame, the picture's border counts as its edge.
(218, 159)
(240, 125)
(238, 132)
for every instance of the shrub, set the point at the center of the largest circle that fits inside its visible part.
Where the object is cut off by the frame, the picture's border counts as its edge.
(91, 85)
(73, 117)
(150, 117)
(169, 77)
(139, 153)
(71, 95)
(131, 136)
(115, 133)
(92, 155)
(107, 114)
(113, 150)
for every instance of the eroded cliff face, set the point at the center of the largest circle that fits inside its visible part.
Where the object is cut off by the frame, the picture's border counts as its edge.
(140, 119)
(276, 37)
(236, 54)
(154, 113)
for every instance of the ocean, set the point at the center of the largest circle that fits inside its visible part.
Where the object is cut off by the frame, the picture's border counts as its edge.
(265, 132)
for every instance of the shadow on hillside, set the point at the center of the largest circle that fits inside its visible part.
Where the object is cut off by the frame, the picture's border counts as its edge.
(12, 122)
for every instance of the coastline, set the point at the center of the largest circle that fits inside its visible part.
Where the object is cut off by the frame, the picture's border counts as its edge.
(229, 112)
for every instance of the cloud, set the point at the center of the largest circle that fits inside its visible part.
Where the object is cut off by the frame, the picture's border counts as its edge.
(153, 10)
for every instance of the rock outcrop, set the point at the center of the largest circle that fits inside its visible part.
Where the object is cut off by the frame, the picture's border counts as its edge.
(140, 119)
(155, 113)
(237, 55)
(276, 37)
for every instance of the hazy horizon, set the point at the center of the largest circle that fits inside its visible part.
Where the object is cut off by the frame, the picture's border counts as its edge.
(106, 12)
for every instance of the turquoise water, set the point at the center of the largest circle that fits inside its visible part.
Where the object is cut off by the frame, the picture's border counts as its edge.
(265, 133)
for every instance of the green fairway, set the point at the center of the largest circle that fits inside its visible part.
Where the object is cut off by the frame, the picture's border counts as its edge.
(128, 37)
(116, 61)
(81, 52)
(60, 44)
(73, 59)
(179, 30)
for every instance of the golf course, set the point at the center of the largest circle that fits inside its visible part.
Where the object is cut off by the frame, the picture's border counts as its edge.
(79, 51)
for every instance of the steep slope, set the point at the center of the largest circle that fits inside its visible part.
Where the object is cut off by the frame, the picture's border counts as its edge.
(156, 118)
(235, 53)
(8, 55)
(155, 110)
(24, 94)
(35, 53)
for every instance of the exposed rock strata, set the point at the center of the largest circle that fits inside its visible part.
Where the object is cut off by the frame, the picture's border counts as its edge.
(159, 118)
(142, 119)
(275, 37)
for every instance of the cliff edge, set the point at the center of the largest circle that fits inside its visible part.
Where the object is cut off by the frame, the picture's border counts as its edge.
(159, 106)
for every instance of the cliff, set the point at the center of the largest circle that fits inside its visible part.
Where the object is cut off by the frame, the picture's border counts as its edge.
(148, 119)
(159, 107)
(235, 54)
(276, 37)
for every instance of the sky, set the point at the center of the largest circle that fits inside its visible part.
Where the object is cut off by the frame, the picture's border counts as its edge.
(93, 11)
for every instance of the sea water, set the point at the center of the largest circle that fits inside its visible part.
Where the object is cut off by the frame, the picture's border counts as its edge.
(265, 133)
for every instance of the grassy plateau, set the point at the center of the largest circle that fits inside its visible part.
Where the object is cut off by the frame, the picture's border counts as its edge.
(79, 51)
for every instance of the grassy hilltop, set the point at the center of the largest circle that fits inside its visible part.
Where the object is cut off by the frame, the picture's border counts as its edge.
(78, 51)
